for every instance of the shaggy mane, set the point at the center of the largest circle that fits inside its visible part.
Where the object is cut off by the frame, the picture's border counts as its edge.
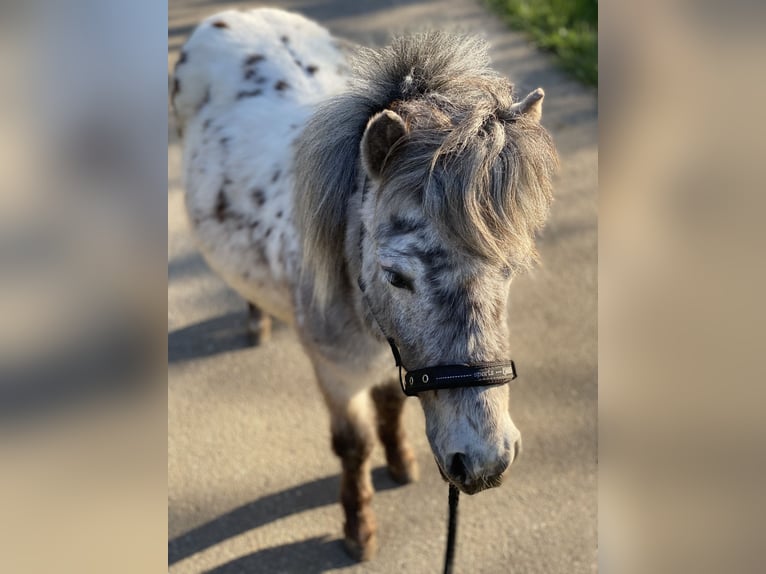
(483, 172)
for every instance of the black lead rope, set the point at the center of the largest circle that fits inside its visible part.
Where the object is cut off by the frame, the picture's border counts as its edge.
(449, 556)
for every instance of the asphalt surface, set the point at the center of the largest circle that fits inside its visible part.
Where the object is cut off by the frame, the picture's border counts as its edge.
(252, 482)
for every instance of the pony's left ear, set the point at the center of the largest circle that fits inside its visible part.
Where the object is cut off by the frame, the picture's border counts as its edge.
(531, 106)
(383, 130)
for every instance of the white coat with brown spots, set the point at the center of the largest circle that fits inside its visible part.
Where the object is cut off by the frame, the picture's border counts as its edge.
(244, 86)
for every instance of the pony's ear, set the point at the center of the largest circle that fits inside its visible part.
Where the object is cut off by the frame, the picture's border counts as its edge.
(383, 130)
(531, 106)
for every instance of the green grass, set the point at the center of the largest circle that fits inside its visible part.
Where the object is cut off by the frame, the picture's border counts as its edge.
(568, 28)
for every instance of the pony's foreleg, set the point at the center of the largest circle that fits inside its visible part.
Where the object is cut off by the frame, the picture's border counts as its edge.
(258, 325)
(389, 404)
(352, 442)
(353, 437)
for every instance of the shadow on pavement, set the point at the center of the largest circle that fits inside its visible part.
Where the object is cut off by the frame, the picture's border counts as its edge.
(186, 266)
(217, 335)
(312, 553)
(310, 556)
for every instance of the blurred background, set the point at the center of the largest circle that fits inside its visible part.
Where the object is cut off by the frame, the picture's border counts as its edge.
(681, 276)
(88, 482)
(83, 115)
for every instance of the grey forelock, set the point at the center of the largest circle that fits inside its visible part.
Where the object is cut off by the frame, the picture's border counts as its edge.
(481, 173)
(486, 181)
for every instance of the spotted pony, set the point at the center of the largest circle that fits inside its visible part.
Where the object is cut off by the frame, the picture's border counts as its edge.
(398, 200)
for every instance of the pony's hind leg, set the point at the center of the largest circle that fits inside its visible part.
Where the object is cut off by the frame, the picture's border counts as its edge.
(258, 325)
(389, 403)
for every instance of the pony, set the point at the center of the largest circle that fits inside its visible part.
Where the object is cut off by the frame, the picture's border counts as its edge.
(362, 194)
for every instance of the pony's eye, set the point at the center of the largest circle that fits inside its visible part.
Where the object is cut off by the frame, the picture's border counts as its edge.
(397, 279)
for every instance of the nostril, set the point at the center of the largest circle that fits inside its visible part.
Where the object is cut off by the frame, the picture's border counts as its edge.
(502, 466)
(457, 468)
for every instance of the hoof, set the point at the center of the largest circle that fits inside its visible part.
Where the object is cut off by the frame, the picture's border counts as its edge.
(361, 551)
(258, 336)
(258, 328)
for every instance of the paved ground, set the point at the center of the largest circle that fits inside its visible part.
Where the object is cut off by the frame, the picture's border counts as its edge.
(252, 483)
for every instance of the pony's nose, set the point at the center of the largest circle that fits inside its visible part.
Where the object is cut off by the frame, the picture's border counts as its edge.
(476, 475)
(457, 467)
(463, 470)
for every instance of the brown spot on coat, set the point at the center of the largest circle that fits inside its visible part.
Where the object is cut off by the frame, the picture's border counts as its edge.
(312, 69)
(258, 197)
(268, 232)
(279, 215)
(276, 175)
(249, 94)
(285, 39)
(220, 24)
(221, 206)
(281, 85)
(205, 101)
(253, 59)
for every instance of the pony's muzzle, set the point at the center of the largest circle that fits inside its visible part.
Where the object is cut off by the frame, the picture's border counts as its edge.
(471, 475)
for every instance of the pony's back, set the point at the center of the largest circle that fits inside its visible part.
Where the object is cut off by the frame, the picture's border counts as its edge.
(264, 53)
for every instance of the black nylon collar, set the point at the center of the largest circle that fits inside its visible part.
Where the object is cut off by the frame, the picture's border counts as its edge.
(457, 376)
(451, 376)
